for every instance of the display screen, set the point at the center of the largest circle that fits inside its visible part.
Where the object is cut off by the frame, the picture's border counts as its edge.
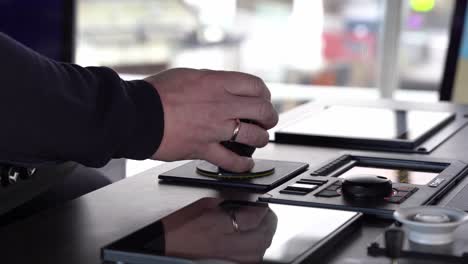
(274, 233)
(395, 175)
(39, 25)
(369, 123)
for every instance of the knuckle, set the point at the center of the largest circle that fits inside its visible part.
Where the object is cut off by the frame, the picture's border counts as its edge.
(258, 86)
(263, 139)
(275, 118)
(234, 163)
(248, 134)
(266, 111)
(241, 165)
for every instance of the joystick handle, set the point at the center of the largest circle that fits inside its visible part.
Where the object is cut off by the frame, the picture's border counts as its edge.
(239, 148)
(394, 239)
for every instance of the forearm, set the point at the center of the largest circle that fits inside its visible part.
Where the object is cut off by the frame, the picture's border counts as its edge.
(51, 111)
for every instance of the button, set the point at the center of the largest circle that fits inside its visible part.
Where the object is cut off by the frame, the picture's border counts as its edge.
(327, 193)
(405, 188)
(314, 181)
(308, 182)
(333, 187)
(302, 187)
(285, 191)
(13, 176)
(314, 173)
(395, 199)
(401, 193)
(436, 182)
(344, 157)
(319, 171)
(408, 195)
(9, 177)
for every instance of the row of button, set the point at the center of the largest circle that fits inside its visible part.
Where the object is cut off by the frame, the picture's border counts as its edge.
(330, 191)
(402, 193)
(303, 186)
(332, 166)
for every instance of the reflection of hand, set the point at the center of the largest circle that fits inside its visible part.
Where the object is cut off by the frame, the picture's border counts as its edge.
(205, 230)
(200, 110)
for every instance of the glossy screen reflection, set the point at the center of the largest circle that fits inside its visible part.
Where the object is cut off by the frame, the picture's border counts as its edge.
(369, 123)
(300, 228)
(194, 234)
(395, 175)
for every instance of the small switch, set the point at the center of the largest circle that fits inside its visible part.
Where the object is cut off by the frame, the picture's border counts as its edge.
(333, 187)
(436, 182)
(327, 193)
(286, 191)
(395, 199)
(314, 181)
(302, 187)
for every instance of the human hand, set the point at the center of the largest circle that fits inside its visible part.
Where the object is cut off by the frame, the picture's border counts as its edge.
(200, 111)
(205, 230)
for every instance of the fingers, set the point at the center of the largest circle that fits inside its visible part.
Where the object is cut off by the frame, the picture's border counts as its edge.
(249, 134)
(252, 135)
(243, 84)
(226, 159)
(260, 111)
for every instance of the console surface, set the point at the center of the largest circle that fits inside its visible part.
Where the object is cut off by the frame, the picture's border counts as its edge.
(415, 181)
(194, 172)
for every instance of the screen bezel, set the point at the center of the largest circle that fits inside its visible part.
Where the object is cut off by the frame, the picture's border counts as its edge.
(425, 143)
(453, 52)
(352, 161)
(453, 171)
(354, 164)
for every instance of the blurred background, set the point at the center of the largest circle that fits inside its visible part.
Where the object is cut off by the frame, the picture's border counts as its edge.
(326, 43)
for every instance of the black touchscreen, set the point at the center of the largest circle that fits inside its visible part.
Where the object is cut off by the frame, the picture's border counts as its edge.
(274, 233)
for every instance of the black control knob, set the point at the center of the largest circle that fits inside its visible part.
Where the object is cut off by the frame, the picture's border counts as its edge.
(394, 239)
(366, 187)
(239, 148)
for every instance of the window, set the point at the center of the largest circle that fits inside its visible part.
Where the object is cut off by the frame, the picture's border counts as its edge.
(332, 43)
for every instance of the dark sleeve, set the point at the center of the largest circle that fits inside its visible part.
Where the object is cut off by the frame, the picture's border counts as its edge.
(51, 111)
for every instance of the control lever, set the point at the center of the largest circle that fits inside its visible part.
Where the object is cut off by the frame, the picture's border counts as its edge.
(238, 148)
(394, 239)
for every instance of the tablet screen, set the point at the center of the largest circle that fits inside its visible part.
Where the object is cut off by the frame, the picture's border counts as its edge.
(369, 123)
(283, 235)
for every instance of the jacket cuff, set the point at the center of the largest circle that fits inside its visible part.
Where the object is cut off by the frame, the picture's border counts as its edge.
(148, 128)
